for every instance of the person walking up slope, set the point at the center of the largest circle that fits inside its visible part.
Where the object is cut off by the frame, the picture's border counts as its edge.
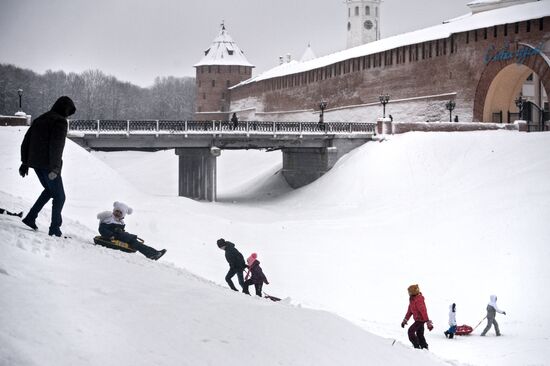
(450, 333)
(42, 150)
(236, 263)
(417, 309)
(255, 275)
(492, 310)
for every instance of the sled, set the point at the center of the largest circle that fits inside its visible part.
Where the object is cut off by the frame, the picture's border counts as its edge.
(463, 330)
(272, 298)
(114, 244)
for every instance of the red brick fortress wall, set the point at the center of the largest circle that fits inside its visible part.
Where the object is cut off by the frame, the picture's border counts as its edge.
(420, 78)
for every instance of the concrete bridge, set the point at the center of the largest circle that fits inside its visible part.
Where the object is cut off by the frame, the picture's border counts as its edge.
(309, 149)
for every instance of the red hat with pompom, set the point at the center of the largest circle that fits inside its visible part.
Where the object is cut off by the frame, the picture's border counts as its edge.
(251, 259)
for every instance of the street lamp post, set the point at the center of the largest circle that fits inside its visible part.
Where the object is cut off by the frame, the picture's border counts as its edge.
(450, 105)
(20, 92)
(519, 103)
(322, 105)
(384, 99)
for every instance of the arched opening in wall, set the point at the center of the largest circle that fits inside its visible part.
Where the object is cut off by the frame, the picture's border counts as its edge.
(505, 76)
(501, 101)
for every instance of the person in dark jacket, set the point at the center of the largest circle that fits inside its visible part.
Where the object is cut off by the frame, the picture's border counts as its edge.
(235, 121)
(42, 150)
(236, 263)
(255, 276)
(417, 309)
(111, 226)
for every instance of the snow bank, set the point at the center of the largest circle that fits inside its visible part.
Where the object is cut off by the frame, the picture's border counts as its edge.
(462, 214)
(67, 302)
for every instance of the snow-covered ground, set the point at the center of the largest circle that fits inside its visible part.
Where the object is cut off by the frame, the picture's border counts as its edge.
(464, 215)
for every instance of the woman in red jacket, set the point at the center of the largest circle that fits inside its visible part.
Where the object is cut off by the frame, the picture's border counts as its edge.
(417, 308)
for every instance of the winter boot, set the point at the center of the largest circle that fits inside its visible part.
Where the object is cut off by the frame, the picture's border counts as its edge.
(54, 231)
(157, 255)
(30, 223)
(446, 334)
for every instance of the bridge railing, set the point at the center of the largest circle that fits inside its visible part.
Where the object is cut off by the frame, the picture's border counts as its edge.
(157, 127)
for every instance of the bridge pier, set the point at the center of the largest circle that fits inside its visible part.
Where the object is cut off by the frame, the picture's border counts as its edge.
(302, 166)
(197, 173)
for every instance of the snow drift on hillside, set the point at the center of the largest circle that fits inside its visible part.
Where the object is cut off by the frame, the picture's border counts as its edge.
(66, 302)
(462, 214)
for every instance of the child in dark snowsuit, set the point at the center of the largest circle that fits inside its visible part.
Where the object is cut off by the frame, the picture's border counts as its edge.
(236, 263)
(450, 333)
(111, 226)
(257, 277)
(417, 308)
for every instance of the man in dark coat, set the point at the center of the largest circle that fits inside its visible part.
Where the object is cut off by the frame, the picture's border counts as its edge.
(235, 121)
(236, 263)
(42, 150)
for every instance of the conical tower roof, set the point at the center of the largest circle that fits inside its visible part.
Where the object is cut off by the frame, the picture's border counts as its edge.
(308, 54)
(224, 51)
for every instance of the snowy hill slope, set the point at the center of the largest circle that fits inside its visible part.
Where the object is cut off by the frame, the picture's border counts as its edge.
(462, 214)
(66, 302)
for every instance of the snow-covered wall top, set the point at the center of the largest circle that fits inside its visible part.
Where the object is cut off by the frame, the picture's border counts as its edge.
(484, 5)
(224, 51)
(511, 14)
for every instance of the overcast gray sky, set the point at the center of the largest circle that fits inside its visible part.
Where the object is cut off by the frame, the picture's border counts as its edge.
(137, 40)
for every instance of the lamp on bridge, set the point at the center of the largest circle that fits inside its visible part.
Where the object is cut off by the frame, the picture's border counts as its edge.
(20, 113)
(450, 105)
(20, 92)
(322, 105)
(520, 101)
(384, 99)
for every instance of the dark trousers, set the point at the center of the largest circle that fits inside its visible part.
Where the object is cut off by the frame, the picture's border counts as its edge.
(232, 272)
(258, 287)
(52, 189)
(416, 335)
(131, 239)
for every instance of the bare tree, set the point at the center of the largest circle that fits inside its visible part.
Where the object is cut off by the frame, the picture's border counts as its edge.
(97, 95)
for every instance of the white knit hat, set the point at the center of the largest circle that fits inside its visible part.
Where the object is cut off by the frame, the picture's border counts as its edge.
(122, 207)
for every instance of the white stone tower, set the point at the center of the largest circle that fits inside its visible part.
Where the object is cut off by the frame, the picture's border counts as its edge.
(363, 24)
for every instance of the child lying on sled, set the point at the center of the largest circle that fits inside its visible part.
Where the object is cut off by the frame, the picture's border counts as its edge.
(111, 226)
